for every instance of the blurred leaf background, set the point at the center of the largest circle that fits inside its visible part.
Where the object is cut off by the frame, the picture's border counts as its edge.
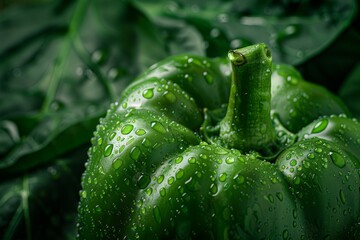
(63, 62)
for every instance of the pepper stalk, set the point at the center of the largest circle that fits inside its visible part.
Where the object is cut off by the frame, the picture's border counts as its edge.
(247, 124)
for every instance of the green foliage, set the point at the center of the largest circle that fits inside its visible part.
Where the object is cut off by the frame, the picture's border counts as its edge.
(63, 62)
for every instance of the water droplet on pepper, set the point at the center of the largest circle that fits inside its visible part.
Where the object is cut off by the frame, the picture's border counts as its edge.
(148, 93)
(108, 150)
(135, 153)
(342, 197)
(192, 160)
(143, 181)
(83, 194)
(213, 189)
(223, 177)
(337, 159)
(126, 129)
(140, 132)
(320, 126)
(163, 192)
(157, 126)
(293, 162)
(116, 164)
(230, 160)
(170, 96)
(179, 174)
(178, 160)
(157, 214)
(239, 179)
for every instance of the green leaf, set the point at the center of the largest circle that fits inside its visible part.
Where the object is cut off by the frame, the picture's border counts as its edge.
(294, 30)
(70, 67)
(8, 136)
(331, 67)
(349, 91)
(41, 204)
(181, 37)
(54, 135)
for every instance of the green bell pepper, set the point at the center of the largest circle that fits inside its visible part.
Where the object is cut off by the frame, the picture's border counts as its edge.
(235, 148)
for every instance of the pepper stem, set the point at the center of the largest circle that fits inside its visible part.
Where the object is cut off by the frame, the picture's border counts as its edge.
(247, 124)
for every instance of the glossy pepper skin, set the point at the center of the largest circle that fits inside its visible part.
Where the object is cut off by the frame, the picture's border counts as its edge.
(234, 148)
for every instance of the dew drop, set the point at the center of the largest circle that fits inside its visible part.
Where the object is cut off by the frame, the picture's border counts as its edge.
(98, 208)
(148, 191)
(318, 150)
(342, 196)
(239, 179)
(157, 214)
(97, 56)
(230, 160)
(274, 180)
(179, 174)
(148, 93)
(143, 181)
(160, 179)
(99, 141)
(188, 77)
(121, 148)
(320, 126)
(126, 129)
(83, 194)
(292, 80)
(112, 135)
(279, 196)
(270, 198)
(209, 79)
(221, 151)
(146, 143)
(135, 153)
(178, 160)
(113, 73)
(223, 18)
(285, 234)
(116, 164)
(108, 150)
(171, 180)
(124, 105)
(268, 71)
(163, 192)
(213, 188)
(140, 132)
(294, 224)
(293, 162)
(293, 113)
(311, 156)
(192, 160)
(214, 33)
(223, 177)
(157, 126)
(306, 164)
(337, 159)
(79, 71)
(170, 96)
(300, 54)
(297, 180)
